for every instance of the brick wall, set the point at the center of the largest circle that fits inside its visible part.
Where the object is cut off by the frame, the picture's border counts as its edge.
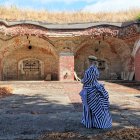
(111, 50)
(11, 70)
(113, 64)
(66, 67)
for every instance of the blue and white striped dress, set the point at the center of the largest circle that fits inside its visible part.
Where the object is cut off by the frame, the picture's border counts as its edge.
(95, 101)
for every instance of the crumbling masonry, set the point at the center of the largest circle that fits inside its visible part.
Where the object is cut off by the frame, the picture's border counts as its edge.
(43, 51)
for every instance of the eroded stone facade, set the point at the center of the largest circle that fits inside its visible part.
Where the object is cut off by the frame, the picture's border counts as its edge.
(32, 52)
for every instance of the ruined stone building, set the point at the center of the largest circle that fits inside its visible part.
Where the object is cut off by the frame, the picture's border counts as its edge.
(43, 51)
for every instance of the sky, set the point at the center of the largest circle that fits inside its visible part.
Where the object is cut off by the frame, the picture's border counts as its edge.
(74, 5)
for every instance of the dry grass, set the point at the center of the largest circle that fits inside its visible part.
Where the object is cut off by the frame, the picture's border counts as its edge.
(14, 13)
(122, 134)
(5, 91)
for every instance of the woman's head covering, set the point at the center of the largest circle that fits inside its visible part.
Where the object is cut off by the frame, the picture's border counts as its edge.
(93, 60)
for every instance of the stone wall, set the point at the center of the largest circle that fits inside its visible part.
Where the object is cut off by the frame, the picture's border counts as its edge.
(66, 66)
(112, 62)
(111, 44)
(12, 70)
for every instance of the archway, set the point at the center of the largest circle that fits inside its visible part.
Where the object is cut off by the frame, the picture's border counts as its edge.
(41, 58)
(113, 54)
(30, 69)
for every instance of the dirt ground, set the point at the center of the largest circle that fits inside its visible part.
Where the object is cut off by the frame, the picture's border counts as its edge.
(122, 134)
(52, 111)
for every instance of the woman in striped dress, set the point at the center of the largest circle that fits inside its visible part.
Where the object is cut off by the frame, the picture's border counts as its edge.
(95, 100)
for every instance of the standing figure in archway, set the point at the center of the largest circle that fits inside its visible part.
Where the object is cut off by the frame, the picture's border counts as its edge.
(94, 99)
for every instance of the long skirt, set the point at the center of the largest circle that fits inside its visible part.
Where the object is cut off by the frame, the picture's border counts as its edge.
(95, 109)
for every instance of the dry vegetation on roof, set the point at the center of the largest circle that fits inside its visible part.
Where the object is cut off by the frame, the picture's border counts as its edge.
(14, 13)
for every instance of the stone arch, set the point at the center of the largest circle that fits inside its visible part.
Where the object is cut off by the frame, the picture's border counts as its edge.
(17, 50)
(34, 70)
(123, 50)
(115, 52)
(22, 41)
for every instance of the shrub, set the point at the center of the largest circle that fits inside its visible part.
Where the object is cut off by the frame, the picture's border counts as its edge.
(138, 17)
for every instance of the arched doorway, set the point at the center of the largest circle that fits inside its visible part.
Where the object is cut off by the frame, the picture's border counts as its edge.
(112, 53)
(19, 62)
(81, 63)
(35, 64)
(30, 69)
